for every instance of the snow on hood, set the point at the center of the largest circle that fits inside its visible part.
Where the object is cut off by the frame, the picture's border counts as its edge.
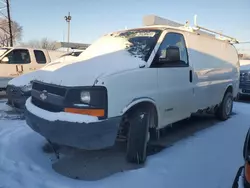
(25, 79)
(244, 64)
(105, 56)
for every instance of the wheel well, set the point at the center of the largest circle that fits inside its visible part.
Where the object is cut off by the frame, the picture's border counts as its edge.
(145, 105)
(229, 89)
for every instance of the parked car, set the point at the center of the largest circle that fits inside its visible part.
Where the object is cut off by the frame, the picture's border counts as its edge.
(131, 84)
(19, 88)
(15, 61)
(242, 178)
(244, 78)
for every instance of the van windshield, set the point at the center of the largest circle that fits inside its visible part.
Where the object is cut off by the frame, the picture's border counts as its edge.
(142, 41)
(138, 43)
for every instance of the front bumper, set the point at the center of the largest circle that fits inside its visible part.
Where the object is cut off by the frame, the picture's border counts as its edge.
(89, 136)
(16, 98)
(244, 88)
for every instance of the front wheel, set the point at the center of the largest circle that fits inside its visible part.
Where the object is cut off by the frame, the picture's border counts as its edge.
(138, 136)
(225, 109)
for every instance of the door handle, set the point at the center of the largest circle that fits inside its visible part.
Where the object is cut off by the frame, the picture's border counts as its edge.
(17, 69)
(191, 76)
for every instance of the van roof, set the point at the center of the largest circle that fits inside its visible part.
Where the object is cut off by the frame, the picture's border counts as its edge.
(181, 28)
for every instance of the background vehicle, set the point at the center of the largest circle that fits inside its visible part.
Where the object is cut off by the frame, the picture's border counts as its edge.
(133, 83)
(17, 61)
(244, 78)
(19, 88)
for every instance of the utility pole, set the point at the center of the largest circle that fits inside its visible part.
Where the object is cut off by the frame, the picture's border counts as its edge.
(9, 20)
(68, 19)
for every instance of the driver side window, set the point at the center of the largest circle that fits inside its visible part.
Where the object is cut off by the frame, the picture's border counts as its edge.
(171, 40)
(18, 56)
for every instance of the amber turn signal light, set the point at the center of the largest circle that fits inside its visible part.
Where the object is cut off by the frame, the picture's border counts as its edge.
(91, 112)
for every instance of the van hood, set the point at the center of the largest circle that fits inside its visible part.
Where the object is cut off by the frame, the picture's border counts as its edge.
(107, 56)
(25, 79)
(84, 73)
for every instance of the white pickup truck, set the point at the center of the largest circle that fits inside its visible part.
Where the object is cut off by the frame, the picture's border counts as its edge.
(15, 61)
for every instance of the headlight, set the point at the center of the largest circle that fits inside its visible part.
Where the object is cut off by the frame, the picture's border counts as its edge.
(85, 97)
(27, 88)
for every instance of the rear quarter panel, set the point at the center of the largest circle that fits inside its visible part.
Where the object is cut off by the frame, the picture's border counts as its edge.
(216, 66)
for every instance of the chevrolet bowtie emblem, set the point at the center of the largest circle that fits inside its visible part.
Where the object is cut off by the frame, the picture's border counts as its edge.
(44, 95)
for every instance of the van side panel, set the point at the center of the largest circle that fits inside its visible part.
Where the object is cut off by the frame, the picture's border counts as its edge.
(216, 67)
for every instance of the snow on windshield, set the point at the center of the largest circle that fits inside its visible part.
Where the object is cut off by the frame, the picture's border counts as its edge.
(139, 43)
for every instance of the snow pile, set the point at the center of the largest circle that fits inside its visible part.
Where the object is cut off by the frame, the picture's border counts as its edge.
(208, 159)
(4, 106)
(106, 56)
(62, 116)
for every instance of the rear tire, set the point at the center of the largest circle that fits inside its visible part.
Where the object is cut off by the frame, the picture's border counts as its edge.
(138, 136)
(225, 109)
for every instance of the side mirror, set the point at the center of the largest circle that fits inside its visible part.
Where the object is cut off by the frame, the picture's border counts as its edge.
(171, 54)
(5, 60)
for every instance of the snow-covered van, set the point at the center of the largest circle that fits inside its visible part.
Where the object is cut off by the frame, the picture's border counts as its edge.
(19, 88)
(244, 78)
(15, 61)
(131, 84)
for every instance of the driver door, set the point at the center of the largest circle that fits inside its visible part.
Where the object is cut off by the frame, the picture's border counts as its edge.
(175, 83)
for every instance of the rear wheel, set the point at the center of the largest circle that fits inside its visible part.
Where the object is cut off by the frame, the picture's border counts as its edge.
(138, 136)
(225, 109)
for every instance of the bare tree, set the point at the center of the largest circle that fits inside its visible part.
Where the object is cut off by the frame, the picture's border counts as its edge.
(44, 43)
(17, 31)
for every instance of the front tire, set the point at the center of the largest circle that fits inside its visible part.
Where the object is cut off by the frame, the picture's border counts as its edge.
(138, 136)
(225, 109)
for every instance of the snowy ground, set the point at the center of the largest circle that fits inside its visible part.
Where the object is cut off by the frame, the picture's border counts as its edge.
(208, 159)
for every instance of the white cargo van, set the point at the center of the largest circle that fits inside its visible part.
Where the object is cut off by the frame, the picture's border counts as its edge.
(15, 61)
(132, 84)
